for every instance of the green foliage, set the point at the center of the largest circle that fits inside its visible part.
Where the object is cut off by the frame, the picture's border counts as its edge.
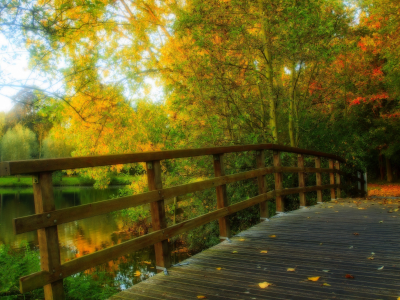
(19, 143)
(15, 264)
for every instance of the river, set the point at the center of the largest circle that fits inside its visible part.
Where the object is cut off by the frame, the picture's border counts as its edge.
(84, 236)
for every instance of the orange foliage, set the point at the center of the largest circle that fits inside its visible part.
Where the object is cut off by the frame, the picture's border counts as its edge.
(384, 190)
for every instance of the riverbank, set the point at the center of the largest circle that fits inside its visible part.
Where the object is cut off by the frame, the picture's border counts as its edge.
(26, 181)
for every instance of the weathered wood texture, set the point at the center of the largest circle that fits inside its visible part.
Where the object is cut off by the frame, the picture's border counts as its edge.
(318, 178)
(337, 179)
(278, 181)
(309, 240)
(222, 198)
(260, 163)
(302, 183)
(44, 165)
(157, 209)
(332, 178)
(48, 237)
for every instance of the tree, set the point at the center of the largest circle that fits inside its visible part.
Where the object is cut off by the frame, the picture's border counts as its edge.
(19, 143)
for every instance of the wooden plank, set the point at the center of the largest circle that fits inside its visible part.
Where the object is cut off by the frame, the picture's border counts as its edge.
(157, 209)
(260, 163)
(302, 183)
(55, 164)
(318, 177)
(48, 237)
(338, 179)
(39, 279)
(222, 198)
(33, 222)
(332, 178)
(278, 181)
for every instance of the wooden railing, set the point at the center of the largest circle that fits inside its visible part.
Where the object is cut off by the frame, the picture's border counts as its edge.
(47, 218)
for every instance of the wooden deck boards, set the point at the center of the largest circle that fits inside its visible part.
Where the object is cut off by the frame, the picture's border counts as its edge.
(311, 240)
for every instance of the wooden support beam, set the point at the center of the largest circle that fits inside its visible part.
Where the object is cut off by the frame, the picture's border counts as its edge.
(48, 237)
(260, 162)
(302, 195)
(222, 199)
(278, 182)
(157, 210)
(319, 180)
(332, 178)
(338, 179)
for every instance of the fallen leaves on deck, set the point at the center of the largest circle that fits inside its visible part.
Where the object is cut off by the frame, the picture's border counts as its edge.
(263, 285)
(314, 278)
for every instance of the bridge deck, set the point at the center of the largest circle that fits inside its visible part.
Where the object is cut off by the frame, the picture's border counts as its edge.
(329, 240)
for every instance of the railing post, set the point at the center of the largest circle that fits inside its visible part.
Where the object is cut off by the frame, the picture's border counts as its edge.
(278, 182)
(302, 195)
(157, 209)
(175, 207)
(362, 184)
(332, 178)
(318, 177)
(260, 161)
(338, 179)
(48, 237)
(222, 199)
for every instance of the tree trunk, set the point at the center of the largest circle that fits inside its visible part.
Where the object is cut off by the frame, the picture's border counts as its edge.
(389, 174)
(291, 106)
(381, 167)
(269, 74)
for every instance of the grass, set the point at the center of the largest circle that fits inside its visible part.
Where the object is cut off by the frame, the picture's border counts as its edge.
(26, 181)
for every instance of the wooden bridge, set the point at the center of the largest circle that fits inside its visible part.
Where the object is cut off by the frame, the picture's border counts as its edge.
(349, 247)
(294, 239)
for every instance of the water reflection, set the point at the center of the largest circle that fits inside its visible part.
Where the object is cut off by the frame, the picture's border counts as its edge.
(83, 236)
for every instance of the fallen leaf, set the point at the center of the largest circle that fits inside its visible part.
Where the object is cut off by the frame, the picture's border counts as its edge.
(326, 284)
(361, 208)
(272, 236)
(380, 221)
(372, 253)
(326, 271)
(314, 278)
(201, 297)
(355, 233)
(349, 276)
(290, 269)
(396, 210)
(263, 251)
(242, 240)
(263, 285)
(234, 252)
(381, 268)
(330, 206)
(137, 274)
(351, 247)
(320, 244)
(371, 258)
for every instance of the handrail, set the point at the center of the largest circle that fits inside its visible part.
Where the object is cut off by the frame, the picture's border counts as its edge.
(55, 164)
(47, 218)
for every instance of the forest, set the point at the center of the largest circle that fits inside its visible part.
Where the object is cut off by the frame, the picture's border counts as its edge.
(123, 76)
(320, 75)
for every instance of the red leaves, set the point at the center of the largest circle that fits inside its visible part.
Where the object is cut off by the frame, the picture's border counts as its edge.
(349, 276)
